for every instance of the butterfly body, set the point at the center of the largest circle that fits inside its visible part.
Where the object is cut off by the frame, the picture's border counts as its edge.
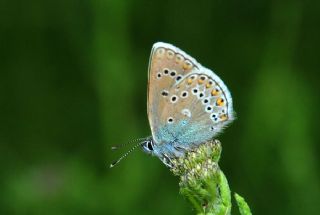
(188, 104)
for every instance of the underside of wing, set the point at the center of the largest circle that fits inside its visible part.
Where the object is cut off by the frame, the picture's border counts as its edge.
(187, 103)
(197, 110)
(168, 66)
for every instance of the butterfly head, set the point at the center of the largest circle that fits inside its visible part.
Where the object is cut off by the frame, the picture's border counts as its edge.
(148, 146)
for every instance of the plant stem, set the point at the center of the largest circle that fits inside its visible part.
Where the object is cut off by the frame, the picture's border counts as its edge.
(201, 180)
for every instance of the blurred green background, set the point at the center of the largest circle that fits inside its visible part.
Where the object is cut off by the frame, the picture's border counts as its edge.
(73, 83)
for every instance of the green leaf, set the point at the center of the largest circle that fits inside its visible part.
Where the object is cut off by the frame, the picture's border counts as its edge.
(243, 206)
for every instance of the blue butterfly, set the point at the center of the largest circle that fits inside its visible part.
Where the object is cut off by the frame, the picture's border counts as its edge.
(188, 104)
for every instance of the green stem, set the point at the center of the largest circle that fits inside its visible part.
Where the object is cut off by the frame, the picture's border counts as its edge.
(202, 182)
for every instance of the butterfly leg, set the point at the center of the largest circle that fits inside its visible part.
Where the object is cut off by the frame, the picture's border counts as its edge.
(167, 161)
(181, 149)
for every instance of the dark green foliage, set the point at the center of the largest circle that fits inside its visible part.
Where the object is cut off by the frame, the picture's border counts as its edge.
(73, 82)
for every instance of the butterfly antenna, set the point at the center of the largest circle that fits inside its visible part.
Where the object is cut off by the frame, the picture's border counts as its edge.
(128, 143)
(126, 154)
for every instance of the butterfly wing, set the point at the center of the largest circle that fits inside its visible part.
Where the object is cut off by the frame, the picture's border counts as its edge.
(187, 103)
(167, 66)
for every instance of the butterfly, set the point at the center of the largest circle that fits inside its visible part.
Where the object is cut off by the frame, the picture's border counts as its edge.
(188, 104)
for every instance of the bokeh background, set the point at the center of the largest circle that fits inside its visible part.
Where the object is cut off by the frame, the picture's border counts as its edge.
(73, 83)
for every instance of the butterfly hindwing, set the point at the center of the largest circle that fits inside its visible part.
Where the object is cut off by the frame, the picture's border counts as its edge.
(202, 105)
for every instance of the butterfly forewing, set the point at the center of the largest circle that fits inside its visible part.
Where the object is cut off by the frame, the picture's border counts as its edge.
(168, 65)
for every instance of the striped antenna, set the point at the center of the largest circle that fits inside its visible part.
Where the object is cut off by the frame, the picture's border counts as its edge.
(128, 143)
(126, 154)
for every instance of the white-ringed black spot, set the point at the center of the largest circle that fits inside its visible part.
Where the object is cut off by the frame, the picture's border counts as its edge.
(195, 91)
(214, 117)
(205, 101)
(172, 73)
(174, 99)
(170, 120)
(164, 93)
(178, 78)
(203, 78)
(166, 71)
(158, 75)
(184, 94)
(201, 95)
(209, 108)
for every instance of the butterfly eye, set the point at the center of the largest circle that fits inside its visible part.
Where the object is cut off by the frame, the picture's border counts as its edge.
(166, 71)
(150, 146)
(158, 75)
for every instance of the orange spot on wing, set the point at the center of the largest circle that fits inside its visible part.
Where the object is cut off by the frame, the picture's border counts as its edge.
(187, 65)
(214, 92)
(220, 102)
(223, 117)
